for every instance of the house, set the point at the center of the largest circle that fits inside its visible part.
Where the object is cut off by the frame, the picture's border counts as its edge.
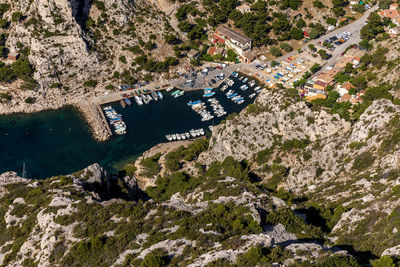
(243, 8)
(320, 85)
(391, 13)
(13, 56)
(345, 98)
(219, 51)
(356, 61)
(344, 88)
(305, 33)
(215, 51)
(394, 6)
(193, 54)
(393, 31)
(249, 56)
(356, 99)
(211, 50)
(232, 39)
(328, 76)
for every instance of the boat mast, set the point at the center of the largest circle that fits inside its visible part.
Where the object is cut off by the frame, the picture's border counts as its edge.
(23, 171)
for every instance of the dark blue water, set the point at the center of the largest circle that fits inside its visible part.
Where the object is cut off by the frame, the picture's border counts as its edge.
(59, 142)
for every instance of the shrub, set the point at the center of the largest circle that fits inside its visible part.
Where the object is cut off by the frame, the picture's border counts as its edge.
(275, 51)
(333, 261)
(122, 59)
(151, 165)
(384, 261)
(16, 16)
(286, 47)
(90, 83)
(363, 161)
(155, 260)
(168, 185)
(29, 100)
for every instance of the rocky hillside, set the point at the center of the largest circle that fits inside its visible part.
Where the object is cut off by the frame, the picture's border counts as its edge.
(261, 191)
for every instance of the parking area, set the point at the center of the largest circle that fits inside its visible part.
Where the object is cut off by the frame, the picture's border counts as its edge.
(334, 41)
(285, 72)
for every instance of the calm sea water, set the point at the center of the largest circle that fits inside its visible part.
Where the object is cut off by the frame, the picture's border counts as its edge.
(59, 142)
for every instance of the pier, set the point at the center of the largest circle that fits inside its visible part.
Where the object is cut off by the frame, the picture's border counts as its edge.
(104, 120)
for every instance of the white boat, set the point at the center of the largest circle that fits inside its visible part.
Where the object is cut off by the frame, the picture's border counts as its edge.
(138, 100)
(252, 95)
(187, 135)
(257, 88)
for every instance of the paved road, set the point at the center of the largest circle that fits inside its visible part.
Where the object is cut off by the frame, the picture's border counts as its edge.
(354, 28)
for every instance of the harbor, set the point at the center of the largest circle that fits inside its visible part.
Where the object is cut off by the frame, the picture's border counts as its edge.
(43, 140)
(237, 88)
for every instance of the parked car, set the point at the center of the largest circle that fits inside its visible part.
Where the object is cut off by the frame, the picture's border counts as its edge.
(213, 81)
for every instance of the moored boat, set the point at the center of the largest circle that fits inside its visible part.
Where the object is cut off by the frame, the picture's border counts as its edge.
(123, 104)
(160, 95)
(154, 95)
(128, 101)
(138, 100)
(209, 94)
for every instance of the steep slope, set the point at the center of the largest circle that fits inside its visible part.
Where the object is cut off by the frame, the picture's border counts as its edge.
(336, 167)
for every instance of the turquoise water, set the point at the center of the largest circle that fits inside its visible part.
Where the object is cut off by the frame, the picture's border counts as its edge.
(59, 142)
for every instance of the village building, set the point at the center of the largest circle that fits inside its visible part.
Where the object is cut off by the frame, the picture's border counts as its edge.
(216, 51)
(345, 98)
(391, 13)
(344, 88)
(393, 31)
(249, 56)
(193, 54)
(232, 39)
(243, 8)
(13, 56)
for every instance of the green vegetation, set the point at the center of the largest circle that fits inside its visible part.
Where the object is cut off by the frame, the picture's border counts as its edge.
(90, 83)
(294, 224)
(275, 51)
(168, 185)
(151, 165)
(259, 255)
(174, 158)
(363, 161)
(16, 16)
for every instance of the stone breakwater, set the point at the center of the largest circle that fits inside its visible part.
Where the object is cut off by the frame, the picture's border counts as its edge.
(91, 113)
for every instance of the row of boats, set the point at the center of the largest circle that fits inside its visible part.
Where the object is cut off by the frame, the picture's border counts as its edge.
(200, 108)
(183, 136)
(140, 99)
(115, 120)
(235, 97)
(218, 109)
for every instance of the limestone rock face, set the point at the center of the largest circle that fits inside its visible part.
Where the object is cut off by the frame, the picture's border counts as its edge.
(248, 134)
(132, 185)
(95, 174)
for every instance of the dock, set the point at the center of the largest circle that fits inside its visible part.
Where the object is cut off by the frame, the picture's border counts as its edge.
(104, 119)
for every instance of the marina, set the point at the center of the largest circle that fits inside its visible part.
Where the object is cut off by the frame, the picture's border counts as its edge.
(49, 137)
